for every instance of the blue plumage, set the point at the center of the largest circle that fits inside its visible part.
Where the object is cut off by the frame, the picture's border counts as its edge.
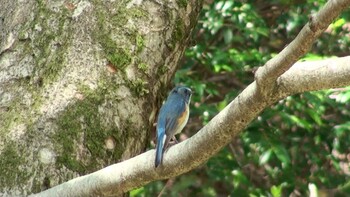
(172, 118)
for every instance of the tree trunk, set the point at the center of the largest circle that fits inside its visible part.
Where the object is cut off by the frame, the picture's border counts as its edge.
(80, 84)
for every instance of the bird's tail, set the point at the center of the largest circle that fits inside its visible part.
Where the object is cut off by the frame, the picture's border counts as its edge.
(159, 151)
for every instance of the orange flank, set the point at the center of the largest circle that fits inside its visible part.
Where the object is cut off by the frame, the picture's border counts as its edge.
(183, 118)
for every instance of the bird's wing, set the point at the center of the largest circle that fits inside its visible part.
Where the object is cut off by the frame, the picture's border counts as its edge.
(173, 116)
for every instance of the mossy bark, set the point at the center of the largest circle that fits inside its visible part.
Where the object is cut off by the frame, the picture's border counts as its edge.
(81, 83)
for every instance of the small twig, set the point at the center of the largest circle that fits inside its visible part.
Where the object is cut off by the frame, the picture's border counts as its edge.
(168, 184)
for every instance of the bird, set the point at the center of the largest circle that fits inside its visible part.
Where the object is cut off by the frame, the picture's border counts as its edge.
(172, 118)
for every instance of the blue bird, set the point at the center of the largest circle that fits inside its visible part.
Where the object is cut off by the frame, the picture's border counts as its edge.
(172, 118)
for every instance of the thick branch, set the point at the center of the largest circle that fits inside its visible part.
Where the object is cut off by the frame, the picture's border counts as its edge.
(266, 76)
(314, 75)
(183, 157)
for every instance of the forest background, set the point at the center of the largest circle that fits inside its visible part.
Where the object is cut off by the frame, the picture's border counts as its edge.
(301, 141)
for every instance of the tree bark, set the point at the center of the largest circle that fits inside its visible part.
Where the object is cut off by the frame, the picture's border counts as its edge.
(81, 83)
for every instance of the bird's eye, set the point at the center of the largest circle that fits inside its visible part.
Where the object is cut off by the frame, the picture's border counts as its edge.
(187, 91)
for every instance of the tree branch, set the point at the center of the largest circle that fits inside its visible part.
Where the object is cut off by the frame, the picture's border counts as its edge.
(189, 154)
(314, 75)
(266, 76)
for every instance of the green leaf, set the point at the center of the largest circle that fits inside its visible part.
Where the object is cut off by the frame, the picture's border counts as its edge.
(221, 105)
(341, 129)
(343, 97)
(316, 117)
(227, 5)
(311, 56)
(276, 191)
(137, 192)
(282, 154)
(239, 178)
(265, 157)
(339, 23)
(300, 122)
(228, 35)
(263, 31)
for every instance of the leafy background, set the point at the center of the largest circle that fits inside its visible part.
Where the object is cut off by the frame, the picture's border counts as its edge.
(301, 140)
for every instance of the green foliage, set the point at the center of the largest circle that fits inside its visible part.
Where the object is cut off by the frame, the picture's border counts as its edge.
(301, 139)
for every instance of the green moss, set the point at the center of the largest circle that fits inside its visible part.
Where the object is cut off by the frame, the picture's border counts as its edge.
(8, 118)
(83, 117)
(162, 70)
(117, 48)
(178, 33)
(140, 43)
(139, 87)
(137, 12)
(123, 15)
(13, 114)
(53, 35)
(10, 161)
(120, 58)
(117, 51)
(182, 3)
(48, 62)
(143, 67)
(119, 19)
(115, 55)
